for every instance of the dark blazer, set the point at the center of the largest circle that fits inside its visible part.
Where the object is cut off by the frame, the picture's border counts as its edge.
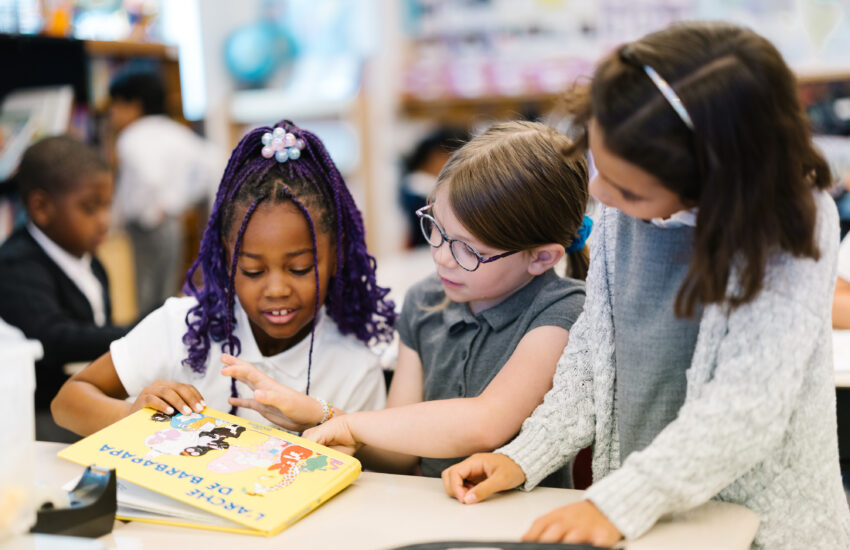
(37, 297)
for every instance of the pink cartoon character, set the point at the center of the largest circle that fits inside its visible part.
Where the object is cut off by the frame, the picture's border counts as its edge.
(241, 458)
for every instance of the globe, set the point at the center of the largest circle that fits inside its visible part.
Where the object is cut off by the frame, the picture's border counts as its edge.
(252, 53)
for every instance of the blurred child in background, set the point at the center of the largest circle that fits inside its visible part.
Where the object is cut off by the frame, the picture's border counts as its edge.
(422, 167)
(163, 169)
(52, 286)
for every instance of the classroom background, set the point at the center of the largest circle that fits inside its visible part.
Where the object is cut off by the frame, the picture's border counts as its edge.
(389, 85)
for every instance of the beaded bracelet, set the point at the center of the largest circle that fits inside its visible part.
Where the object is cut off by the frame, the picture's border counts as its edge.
(327, 411)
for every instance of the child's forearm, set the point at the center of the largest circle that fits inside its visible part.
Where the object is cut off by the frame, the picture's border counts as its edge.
(841, 305)
(436, 429)
(385, 461)
(84, 409)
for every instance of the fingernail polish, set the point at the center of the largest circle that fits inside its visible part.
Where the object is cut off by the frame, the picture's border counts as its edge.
(187, 410)
(169, 410)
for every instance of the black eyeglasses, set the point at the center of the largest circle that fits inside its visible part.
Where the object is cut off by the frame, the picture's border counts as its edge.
(464, 253)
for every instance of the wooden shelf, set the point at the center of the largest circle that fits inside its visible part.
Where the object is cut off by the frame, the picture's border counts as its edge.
(465, 109)
(823, 76)
(101, 48)
(118, 53)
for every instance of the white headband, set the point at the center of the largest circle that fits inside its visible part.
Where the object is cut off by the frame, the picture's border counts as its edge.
(667, 91)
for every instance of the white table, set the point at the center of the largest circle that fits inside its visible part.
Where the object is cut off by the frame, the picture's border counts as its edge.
(382, 511)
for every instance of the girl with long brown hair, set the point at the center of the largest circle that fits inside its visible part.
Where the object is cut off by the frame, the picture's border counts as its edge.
(701, 367)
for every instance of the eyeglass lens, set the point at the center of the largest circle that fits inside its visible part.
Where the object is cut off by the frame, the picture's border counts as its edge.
(462, 252)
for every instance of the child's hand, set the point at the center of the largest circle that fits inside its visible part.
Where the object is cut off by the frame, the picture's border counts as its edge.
(481, 475)
(281, 404)
(335, 433)
(581, 522)
(167, 397)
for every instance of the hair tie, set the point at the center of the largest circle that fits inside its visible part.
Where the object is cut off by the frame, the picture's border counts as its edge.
(583, 233)
(281, 145)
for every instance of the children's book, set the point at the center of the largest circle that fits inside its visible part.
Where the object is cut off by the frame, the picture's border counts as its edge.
(215, 471)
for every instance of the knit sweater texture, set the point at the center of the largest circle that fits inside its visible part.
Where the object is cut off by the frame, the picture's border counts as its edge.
(757, 427)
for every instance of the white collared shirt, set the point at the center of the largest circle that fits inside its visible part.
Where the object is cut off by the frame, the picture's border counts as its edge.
(682, 218)
(77, 269)
(345, 372)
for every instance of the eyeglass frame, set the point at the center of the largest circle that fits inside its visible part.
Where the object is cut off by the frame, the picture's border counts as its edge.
(444, 238)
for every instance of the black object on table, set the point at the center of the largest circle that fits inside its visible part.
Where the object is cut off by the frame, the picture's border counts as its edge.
(92, 510)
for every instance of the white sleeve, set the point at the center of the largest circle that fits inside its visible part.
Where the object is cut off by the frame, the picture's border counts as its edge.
(368, 392)
(844, 259)
(154, 348)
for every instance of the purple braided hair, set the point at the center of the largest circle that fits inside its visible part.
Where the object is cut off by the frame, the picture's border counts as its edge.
(232, 344)
(306, 213)
(354, 300)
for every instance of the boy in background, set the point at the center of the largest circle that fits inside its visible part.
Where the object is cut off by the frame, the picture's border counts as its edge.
(52, 287)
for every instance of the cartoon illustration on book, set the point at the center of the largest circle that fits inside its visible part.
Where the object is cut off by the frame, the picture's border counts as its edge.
(196, 435)
(190, 435)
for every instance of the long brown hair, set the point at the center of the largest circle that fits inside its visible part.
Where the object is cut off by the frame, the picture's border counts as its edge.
(748, 164)
(514, 188)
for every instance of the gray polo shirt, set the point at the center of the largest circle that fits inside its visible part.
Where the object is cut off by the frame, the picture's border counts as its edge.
(461, 352)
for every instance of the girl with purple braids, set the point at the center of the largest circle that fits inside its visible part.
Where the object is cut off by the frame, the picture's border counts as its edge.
(287, 286)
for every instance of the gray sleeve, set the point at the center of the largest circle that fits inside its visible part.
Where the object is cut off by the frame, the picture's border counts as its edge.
(411, 311)
(563, 312)
(564, 423)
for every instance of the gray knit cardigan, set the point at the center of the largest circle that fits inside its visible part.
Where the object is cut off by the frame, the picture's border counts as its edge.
(758, 424)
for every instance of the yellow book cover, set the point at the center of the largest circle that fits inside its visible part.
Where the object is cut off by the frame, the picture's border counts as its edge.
(180, 469)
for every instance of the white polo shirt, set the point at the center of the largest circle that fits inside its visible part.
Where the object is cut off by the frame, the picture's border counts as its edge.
(345, 371)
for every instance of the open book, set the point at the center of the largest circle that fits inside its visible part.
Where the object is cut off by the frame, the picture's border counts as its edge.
(215, 471)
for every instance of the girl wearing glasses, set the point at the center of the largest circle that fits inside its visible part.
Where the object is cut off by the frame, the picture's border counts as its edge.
(480, 337)
(701, 367)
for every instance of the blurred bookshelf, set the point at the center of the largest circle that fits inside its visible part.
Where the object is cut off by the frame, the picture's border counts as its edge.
(465, 61)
